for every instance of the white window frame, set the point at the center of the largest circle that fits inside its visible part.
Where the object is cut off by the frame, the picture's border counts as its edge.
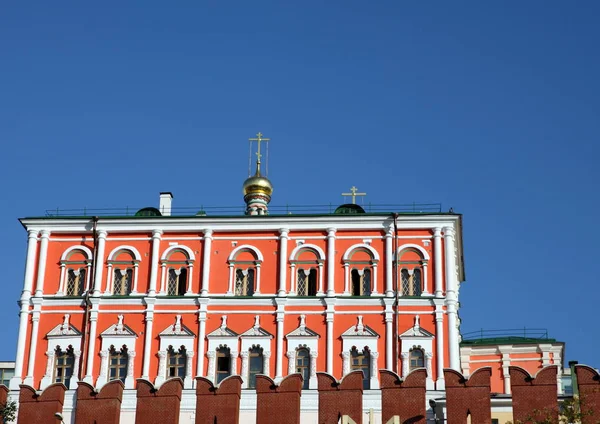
(117, 335)
(63, 336)
(234, 265)
(166, 264)
(361, 336)
(349, 265)
(66, 264)
(176, 335)
(112, 264)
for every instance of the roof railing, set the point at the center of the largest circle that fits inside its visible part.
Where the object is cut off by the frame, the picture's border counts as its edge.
(527, 333)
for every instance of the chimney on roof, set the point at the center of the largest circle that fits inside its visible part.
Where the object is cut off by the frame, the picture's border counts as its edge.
(164, 206)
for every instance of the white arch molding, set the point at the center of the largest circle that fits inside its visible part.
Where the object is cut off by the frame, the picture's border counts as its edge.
(314, 247)
(412, 246)
(132, 249)
(374, 254)
(346, 259)
(84, 249)
(238, 249)
(187, 250)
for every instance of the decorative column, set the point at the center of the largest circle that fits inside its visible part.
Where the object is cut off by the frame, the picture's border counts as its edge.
(92, 342)
(292, 279)
(163, 278)
(156, 236)
(109, 277)
(267, 363)
(129, 380)
(320, 289)
(189, 291)
(405, 356)
(452, 299)
(29, 270)
(63, 272)
(231, 279)
(505, 371)
(35, 319)
(331, 262)
(291, 355)
(329, 354)
(162, 367)
(102, 378)
(437, 265)
(312, 383)
(389, 260)
(244, 373)
(187, 382)
(136, 267)
(234, 357)
(45, 238)
(257, 291)
(345, 363)
(201, 336)
(148, 337)
(283, 252)
(346, 279)
(208, 237)
(210, 374)
(425, 279)
(47, 379)
(374, 370)
(20, 355)
(279, 350)
(429, 381)
(374, 279)
(99, 259)
(389, 336)
(439, 347)
(75, 378)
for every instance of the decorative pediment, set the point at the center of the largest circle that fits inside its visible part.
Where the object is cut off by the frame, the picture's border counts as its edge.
(360, 330)
(118, 329)
(256, 330)
(177, 329)
(416, 331)
(302, 330)
(64, 330)
(223, 331)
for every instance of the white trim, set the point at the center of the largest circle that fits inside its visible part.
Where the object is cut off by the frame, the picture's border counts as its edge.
(298, 248)
(374, 254)
(86, 250)
(132, 249)
(234, 252)
(190, 252)
(413, 246)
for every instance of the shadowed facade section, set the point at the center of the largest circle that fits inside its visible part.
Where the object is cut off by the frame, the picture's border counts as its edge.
(158, 405)
(405, 398)
(34, 408)
(534, 397)
(102, 407)
(468, 396)
(3, 394)
(218, 404)
(340, 398)
(276, 401)
(588, 382)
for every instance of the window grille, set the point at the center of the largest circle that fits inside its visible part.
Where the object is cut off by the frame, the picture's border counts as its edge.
(417, 359)
(244, 282)
(122, 282)
(411, 282)
(176, 285)
(361, 282)
(117, 364)
(75, 282)
(63, 365)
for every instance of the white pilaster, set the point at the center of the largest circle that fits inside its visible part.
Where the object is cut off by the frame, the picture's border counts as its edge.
(374, 381)
(29, 264)
(313, 383)
(329, 320)
(452, 299)
(331, 262)
(156, 236)
(44, 237)
(210, 373)
(190, 279)
(134, 289)
(257, 291)
(162, 368)
(20, 356)
(439, 348)
(188, 381)
(505, 370)
(283, 252)
(389, 335)
(437, 266)
(375, 279)
(201, 336)
(99, 261)
(89, 377)
(280, 335)
(429, 381)
(63, 272)
(244, 372)
(267, 363)
(389, 261)
(234, 357)
(291, 356)
(35, 319)
(130, 379)
(148, 337)
(208, 237)
(425, 278)
(103, 377)
(346, 279)
(345, 363)
(404, 356)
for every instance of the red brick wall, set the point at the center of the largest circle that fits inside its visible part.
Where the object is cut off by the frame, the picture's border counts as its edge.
(34, 408)
(340, 398)
(220, 404)
(534, 397)
(405, 398)
(276, 401)
(3, 394)
(464, 396)
(99, 408)
(158, 405)
(588, 382)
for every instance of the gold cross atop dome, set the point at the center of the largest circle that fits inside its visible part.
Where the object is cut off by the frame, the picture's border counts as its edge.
(259, 139)
(354, 192)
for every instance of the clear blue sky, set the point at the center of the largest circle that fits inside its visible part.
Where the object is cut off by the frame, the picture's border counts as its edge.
(492, 109)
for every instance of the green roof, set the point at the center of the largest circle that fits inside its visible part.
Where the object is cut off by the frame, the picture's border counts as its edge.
(486, 341)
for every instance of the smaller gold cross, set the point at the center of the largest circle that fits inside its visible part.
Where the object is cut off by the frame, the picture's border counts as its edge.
(354, 192)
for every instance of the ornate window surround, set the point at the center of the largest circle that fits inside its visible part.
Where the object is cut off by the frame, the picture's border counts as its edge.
(417, 338)
(222, 336)
(255, 337)
(303, 337)
(295, 263)
(122, 265)
(410, 266)
(176, 335)
(117, 335)
(361, 336)
(235, 264)
(167, 264)
(63, 336)
(64, 267)
(348, 265)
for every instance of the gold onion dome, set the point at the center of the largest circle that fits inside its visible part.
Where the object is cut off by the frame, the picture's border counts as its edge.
(258, 185)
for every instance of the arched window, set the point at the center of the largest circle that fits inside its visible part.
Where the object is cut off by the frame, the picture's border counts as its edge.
(177, 282)
(117, 364)
(75, 266)
(223, 363)
(176, 362)
(122, 281)
(361, 282)
(361, 361)
(307, 282)
(413, 269)
(303, 365)
(123, 271)
(417, 359)
(244, 282)
(256, 364)
(177, 264)
(63, 365)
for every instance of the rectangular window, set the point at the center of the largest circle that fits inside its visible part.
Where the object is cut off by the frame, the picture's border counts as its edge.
(117, 365)
(63, 367)
(122, 282)
(223, 364)
(5, 376)
(75, 281)
(176, 361)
